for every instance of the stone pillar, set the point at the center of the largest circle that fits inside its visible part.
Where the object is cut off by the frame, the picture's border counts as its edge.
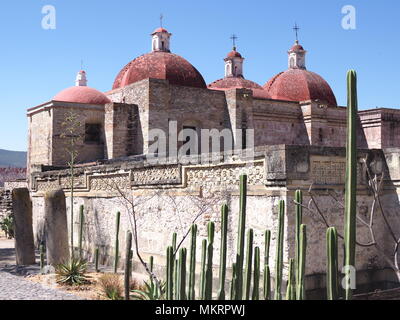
(56, 227)
(22, 211)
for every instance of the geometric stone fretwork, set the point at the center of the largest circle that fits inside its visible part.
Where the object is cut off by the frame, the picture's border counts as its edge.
(48, 185)
(225, 175)
(328, 171)
(207, 176)
(79, 182)
(109, 182)
(156, 175)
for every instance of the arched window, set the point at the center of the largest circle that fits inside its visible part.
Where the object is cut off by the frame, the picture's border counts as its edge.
(292, 65)
(228, 70)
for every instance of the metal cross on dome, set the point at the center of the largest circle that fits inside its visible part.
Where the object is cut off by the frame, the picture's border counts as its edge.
(234, 38)
(161, 20)
(296, 29)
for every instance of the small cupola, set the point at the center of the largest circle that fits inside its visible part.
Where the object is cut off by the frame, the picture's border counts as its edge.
(297, 57)
(234, 64)
(161, 40)
(81, 80)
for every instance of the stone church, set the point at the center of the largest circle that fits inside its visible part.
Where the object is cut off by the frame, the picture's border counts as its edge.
(299, 140)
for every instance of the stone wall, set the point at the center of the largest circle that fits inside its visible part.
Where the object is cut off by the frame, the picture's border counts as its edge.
(5, 203)
(6, 196)
(168, 198)
(155, 104)
(47, 146)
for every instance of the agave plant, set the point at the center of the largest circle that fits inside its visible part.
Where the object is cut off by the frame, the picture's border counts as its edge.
(150, 291)
(72, 273)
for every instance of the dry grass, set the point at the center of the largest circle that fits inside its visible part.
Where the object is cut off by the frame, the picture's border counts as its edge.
(111, 286)
(92, 291)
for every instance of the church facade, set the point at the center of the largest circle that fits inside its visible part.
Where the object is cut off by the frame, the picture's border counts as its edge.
(295, 107)
(299, 138)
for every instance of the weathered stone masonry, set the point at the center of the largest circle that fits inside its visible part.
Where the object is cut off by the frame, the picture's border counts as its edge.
(168, 197)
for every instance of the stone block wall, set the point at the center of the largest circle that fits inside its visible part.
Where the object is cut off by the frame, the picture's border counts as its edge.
(5, 203)
(46, 146)
(169, 197)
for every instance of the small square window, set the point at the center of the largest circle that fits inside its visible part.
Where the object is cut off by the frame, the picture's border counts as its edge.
(93, 132)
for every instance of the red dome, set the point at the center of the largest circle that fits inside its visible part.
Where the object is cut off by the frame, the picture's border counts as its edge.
(82, 94)
(234, 82)
(297, 47)
(160, 30)
(160, 65)
(234, 54)
(300, 85)
(239, 82)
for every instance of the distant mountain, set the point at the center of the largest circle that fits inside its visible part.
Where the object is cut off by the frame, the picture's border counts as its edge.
(14, 159)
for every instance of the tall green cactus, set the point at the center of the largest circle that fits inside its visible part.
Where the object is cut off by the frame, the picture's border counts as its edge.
(233, 282)
(267, 283)
(116, 257)
(127, 271)
(176, 278)
(249, 264)
(182, 274)
(174, 237)
(332, 284)
(151, 263)
(223, 251)
(300, 290)
(175, 266)
(81, 224)
(192, 266)
(351, 180)
(170, 273)
(96, 259)
(291, 285)
(299, 220)
(256, 280)
(210, 252)
(279, 251)
(203, 270)
(267, 273)
(241, 240)
(42, 256)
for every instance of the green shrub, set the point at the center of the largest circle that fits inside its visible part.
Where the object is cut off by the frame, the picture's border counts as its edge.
(72, 272)
(7, 226)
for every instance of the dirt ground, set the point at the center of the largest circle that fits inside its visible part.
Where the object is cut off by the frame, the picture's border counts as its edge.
(90, 291)
(7, 252)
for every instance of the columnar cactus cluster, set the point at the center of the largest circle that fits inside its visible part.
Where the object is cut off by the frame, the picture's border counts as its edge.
(246, 270)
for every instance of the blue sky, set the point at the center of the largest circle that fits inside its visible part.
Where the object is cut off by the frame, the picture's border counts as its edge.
(35, 63)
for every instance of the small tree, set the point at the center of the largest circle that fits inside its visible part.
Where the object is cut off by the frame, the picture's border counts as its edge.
(71, 136)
